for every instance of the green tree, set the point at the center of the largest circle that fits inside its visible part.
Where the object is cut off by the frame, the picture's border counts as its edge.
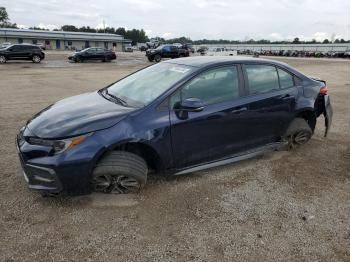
(296, 40)
(69, 28)
(4, 17)
(5, 20)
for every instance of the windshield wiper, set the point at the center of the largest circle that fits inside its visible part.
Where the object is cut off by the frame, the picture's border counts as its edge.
(118, 99)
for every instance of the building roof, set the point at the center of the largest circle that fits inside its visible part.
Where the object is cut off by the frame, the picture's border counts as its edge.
(26, 33)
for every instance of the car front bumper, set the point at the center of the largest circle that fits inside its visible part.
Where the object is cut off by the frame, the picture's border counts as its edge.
(55, 174)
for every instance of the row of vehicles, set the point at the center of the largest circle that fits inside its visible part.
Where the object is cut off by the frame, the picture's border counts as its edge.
(36, 54)
(296, 53)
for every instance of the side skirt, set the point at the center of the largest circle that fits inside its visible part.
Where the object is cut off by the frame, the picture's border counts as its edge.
(235, 158)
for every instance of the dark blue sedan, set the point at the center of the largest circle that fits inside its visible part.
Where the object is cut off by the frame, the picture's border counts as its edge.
(174, 117)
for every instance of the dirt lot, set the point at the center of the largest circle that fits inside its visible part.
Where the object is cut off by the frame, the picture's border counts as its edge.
(288, 205)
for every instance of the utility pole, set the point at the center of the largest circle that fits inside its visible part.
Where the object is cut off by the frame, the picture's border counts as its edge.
(104, 26)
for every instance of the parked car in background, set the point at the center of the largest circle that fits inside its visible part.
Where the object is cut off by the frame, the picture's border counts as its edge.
(220, 51)
(174, 117)
(21, 52)
(129, 49)
(202, 50)
(93, 53)
(166, 51)
(189, 47)
(143, 48)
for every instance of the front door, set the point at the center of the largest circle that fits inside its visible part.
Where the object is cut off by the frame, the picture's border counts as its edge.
(217, 131)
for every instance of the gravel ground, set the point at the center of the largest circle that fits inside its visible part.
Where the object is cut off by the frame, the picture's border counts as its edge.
(287, 205)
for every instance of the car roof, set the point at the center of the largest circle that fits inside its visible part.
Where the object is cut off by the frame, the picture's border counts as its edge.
(209, 61)
(204, 61)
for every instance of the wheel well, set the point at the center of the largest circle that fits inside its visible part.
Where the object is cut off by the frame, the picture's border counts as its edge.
(151, 157)
(310, 118)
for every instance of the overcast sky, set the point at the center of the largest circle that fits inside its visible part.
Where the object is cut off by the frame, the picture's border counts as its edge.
(197, 19)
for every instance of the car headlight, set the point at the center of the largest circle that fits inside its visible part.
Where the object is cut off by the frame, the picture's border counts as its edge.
(59, 146)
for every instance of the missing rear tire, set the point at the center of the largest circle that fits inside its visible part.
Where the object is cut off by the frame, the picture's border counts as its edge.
(298, 133)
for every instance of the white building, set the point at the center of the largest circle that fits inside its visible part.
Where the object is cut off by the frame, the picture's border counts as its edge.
(60, 40)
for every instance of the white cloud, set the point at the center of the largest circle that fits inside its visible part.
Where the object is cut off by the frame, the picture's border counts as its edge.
(23, 26)
(47, 26)
(167, 35)
(102, 25)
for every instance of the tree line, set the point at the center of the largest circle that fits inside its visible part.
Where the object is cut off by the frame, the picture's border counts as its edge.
(139, 36)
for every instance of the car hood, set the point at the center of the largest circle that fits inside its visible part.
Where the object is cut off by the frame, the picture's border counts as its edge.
(77, 115)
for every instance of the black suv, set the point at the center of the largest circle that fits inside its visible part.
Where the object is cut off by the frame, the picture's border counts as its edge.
(166, 51)
(93, 53)
(21, 52)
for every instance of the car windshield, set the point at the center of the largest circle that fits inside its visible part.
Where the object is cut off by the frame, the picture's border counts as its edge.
(142, 87)
(160, 47)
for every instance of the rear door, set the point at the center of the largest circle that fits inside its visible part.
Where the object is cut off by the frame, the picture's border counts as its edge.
(220, 129)
(166, 52)
(272, 96)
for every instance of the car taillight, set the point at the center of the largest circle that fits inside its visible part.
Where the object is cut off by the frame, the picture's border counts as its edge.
(324, 90)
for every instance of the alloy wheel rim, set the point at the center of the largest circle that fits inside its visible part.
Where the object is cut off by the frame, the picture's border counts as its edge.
(2, 59)
(115, 184)
(36, 59)
(301, 137)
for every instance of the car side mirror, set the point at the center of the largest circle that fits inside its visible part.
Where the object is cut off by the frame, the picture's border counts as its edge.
(192, 105)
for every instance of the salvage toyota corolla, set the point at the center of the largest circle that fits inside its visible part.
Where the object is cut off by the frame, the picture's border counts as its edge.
(175, 117)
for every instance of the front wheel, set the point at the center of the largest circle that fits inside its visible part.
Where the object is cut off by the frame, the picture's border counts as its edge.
(119, 172)
(2, 59)
(36, 59)
(106, 59)
(298, 133)
(157, 58)
(78, 59)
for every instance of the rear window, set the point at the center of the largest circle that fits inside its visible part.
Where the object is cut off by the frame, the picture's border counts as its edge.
(262, 78)
(286, 79)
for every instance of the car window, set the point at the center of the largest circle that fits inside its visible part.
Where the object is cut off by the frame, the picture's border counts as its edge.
(19, 48)
(166, 48)
(261, 78)
(286, 79)
(212, 87)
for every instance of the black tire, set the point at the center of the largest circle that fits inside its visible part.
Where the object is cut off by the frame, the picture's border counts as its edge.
(78, 59)
(157, 58)
(106, 59)
(36, 59)
(151, 59)
(119, 172)
(3, 59)
(299, 132)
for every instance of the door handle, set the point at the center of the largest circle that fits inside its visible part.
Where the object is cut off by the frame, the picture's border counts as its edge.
(287, 97)
(239, 110)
